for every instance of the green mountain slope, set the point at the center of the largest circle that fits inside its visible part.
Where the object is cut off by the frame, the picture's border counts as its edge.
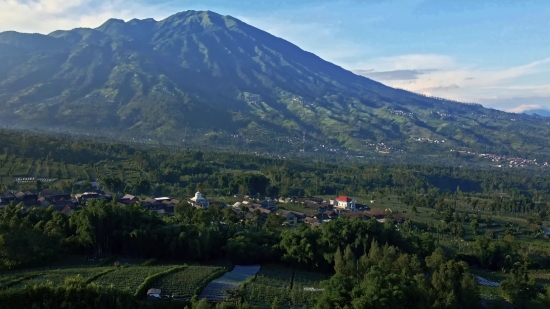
(202, 76)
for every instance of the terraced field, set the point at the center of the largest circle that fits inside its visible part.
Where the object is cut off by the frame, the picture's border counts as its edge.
(182, 284)
(129, 278)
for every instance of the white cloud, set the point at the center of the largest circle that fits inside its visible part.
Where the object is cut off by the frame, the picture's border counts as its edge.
(410, 62)
(443, 76)
(44, 16)
(525, 108)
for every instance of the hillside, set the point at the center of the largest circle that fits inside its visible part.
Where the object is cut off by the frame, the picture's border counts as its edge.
(207, 78)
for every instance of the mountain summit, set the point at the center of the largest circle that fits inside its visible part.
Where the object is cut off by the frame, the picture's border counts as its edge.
(201, 75)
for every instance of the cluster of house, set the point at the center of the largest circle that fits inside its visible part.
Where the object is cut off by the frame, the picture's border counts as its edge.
(401, 113)
(316, 210)
(161, 205)
(382, 147)
(60, 201)
(429, 140)
(512, 161)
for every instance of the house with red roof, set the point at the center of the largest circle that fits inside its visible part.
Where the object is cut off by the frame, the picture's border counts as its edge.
(345, 203)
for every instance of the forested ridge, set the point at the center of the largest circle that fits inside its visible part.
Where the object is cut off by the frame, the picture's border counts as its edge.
(459, 218)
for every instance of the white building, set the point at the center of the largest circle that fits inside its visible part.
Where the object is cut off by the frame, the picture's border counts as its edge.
(199, 201)
(345, 203)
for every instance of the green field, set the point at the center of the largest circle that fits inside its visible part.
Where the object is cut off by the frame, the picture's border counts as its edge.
(285, 284)
(58, 277)
(129, 278)
(182, 284)
(16, 166)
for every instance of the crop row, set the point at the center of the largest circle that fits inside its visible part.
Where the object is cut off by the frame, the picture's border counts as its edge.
(182, 284)
(291, 288)
(57, 277)
(129, 278)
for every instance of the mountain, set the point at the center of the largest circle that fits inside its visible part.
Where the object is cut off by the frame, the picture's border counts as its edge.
(208, 78)
(540, 112)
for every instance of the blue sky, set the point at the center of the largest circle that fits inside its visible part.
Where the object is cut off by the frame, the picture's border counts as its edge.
(493, 52)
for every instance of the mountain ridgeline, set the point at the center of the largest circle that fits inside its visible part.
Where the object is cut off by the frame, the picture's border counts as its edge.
(204, 77)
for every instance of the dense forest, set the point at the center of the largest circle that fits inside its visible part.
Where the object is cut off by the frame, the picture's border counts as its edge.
(419, 264)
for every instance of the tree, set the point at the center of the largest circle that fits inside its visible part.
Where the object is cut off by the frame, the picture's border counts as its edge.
(474, 225)
(202, 304)
(454, 287)
(519, 289)
(276, 304)
(337, 293)
(274, 222)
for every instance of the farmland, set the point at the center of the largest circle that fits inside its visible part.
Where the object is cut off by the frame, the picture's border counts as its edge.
(58, 277)
(129, 278)
(182, 284)
(284, 284)
(12, 167)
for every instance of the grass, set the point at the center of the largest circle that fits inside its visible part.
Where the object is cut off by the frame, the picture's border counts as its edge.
(182, 284)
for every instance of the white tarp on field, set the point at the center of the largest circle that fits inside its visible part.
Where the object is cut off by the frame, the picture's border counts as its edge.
(486, 282)
(215, 290)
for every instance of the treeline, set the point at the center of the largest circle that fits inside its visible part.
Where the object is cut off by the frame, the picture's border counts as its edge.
(158, 171)
(375, 264)
(105, 228)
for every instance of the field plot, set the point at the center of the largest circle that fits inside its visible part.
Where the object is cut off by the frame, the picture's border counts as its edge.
(59, 276)
(292, 288)
(270, 283)
(19, 167)
(81, 172)
(182, 284)
(306, 288)
(130, 277)
(7, 278)
(215, 290)
(72, 171)
(486, 282)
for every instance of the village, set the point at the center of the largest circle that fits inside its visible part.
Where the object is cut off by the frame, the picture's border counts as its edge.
(507, 161)
(316, 210)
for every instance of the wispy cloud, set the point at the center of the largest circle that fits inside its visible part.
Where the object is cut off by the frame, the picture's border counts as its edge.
(526, 108)
(324, 39)
(443, 76)
(392, 75)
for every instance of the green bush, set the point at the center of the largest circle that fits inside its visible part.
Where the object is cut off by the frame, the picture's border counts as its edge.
(150, 262)
(108, 261)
